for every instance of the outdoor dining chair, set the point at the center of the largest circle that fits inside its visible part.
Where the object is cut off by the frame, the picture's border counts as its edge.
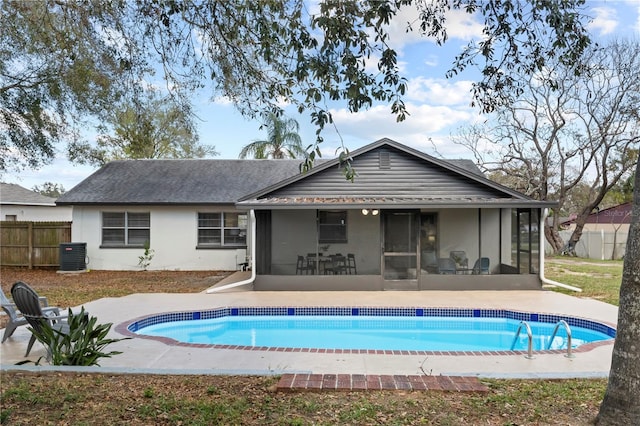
(460, 257)
(28, 303)
(481, 266)
(446, 265)
(351, 264)
(16, 319)
(303, 266)
(338, 265)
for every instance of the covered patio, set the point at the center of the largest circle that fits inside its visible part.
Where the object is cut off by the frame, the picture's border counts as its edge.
(408, 221)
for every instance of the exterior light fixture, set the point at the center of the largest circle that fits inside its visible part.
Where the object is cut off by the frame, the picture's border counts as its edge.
(365, 212)
(374, 212)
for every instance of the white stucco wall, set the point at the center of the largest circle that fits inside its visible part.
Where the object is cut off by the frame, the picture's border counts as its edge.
(173, 237)
(36, 213)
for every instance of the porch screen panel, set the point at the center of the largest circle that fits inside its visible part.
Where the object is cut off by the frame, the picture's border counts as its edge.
(400, 245)
(525, 246)
(262, 263)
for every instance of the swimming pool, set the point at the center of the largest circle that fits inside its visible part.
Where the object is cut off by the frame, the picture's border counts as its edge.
(368, 329)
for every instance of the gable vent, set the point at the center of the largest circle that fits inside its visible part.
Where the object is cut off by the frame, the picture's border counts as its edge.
(384, 159)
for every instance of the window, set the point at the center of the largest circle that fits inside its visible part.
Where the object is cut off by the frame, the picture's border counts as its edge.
(11, 217)
(125, 229)
(222, 229)
(332, 226)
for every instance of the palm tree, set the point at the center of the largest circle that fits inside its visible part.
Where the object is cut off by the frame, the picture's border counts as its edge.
(283, 140)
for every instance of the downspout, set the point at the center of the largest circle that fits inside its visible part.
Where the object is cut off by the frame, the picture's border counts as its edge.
(543, 221)
(250, 280)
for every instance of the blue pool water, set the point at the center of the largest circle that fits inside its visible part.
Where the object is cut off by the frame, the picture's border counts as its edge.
(492, 332)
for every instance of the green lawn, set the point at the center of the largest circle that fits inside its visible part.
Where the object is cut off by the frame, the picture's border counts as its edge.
(598, 279)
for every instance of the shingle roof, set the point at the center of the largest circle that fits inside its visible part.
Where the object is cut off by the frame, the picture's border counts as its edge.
(178, 181)
(181, 182)
(10, 193)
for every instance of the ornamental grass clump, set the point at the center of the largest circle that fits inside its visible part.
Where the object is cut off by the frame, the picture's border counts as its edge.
(82, 345)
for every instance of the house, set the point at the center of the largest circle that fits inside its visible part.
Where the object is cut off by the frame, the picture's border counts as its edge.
(402, 220)
(604, 235)
(21, 204)
(612, 219)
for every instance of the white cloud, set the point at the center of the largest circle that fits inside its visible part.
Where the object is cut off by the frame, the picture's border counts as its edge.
(439, 91)
(605, 20)
(459, 24)
(431, 61)
(463, 26)
(424, 123)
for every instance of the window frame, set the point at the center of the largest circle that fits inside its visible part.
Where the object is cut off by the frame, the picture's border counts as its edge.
(126, 228)
(338, 223)
(225, 230)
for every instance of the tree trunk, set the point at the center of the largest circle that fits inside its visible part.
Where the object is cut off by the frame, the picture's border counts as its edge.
(621, 403)
(553, 238)
(577, 231)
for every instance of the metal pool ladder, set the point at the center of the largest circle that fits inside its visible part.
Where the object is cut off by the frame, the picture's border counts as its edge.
(555, 331)
(529, 336)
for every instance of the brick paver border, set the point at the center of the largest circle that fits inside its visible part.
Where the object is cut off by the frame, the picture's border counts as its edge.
(362, 382)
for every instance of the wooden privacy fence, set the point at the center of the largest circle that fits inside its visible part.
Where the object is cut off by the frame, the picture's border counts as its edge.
(32, 244)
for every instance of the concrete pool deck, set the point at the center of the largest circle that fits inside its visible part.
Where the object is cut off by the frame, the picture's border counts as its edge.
(151, 356)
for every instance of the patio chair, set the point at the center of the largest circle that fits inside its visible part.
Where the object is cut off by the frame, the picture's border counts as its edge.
(481, 266)
(28, 303)
(338, 265)
(15, 316)
(351, 264)
(446, 265)
(303, 266)
(460, 257)
(429, 262)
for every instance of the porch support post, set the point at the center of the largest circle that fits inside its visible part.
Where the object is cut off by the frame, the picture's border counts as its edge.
(479, 232)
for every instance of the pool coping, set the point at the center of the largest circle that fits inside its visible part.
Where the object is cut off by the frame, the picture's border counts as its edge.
(124, 328)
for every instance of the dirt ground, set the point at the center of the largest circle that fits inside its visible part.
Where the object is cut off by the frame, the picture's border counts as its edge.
(67, 290)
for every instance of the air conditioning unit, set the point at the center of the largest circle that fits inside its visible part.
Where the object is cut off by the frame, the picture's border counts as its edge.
(73, 256)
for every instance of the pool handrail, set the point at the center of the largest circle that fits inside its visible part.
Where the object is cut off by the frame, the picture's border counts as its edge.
(529, 336)
(555, 331)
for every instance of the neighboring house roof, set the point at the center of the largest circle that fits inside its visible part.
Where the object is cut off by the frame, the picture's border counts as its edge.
(612, 215)
(616, 214)
(418, 179)
(10, 193)
(178, 181)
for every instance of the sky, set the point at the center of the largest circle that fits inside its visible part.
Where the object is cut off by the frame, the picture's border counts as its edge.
(438, 106)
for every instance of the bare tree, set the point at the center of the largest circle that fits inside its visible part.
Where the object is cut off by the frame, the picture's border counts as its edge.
(556, 139)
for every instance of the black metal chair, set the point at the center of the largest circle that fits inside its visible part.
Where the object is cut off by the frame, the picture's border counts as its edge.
(303, 266)
(351, 264)
(28, 302)
(338, 265)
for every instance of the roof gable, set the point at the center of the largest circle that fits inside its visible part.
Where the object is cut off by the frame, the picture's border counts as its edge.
(386, 169)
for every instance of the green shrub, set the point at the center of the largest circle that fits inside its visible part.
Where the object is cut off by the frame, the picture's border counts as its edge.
(83, 345)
